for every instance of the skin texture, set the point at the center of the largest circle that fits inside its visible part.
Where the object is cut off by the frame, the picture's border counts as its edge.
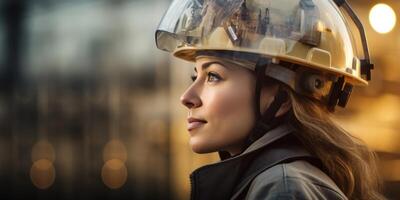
(223, 96)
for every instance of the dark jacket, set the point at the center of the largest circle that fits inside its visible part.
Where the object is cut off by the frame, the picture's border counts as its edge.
(276, 166)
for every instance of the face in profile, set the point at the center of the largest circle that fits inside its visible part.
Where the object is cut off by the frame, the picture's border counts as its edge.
(220, 104)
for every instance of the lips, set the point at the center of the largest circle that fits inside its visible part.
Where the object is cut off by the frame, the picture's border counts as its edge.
(194, 123)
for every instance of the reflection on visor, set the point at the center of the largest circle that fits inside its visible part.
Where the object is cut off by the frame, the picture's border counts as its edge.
(193, 22)
(312, 32)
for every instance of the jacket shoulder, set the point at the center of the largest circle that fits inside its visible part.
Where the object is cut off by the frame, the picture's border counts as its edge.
(294, 180)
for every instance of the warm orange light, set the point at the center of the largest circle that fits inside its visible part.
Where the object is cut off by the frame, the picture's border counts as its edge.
(114, 173)
(390, 170)
(42, 174)
(115, 149)
(382, 18)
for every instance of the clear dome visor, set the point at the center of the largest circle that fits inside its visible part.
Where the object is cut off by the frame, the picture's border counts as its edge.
(307, 32)
(189, 22)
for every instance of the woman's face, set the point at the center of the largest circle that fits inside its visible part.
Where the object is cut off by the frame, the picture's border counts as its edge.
(220, 102)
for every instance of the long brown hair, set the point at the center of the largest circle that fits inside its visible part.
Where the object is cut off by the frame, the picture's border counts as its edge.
(345, 158)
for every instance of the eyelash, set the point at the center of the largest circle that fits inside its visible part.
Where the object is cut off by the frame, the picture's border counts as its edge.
(209, 74)
(193, 77)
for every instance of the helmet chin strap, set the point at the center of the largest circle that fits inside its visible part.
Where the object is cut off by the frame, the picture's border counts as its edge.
(267, 120)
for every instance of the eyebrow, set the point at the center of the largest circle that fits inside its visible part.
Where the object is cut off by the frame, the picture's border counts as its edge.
(207, 64)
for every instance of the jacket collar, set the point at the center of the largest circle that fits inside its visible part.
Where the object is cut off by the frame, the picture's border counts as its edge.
(221, 179)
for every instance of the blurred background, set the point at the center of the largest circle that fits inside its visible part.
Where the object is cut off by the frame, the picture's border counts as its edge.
(89, 108)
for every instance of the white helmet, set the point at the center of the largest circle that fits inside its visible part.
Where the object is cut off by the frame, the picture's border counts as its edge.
(308, 43)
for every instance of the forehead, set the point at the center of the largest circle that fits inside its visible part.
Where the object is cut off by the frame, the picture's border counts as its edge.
(203, 62)
(205, 59)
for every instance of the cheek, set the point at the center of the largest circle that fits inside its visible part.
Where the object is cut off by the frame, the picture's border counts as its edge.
(229, 104)
(230, 111)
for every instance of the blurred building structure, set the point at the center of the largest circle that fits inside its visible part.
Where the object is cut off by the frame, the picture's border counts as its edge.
(84, 101)
(89, 108)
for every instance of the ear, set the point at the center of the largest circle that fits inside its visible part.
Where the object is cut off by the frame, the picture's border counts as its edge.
(285, 107)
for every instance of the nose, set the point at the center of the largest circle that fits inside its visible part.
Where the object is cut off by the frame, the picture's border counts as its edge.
(190, 98)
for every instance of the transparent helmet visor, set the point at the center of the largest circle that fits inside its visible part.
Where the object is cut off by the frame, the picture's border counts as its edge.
(312, 33)
(187, 21)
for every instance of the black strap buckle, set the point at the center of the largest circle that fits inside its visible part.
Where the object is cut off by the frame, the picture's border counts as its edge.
(366, 67)
(339, 94)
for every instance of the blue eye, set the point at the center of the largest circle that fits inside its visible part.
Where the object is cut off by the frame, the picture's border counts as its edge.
(213, 77)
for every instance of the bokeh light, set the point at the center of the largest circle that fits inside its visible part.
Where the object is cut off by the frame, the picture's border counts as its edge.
(382, 18)
(42, 173)
(114, 173)
(114, 149)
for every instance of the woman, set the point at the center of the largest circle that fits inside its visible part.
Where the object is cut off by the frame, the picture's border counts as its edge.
(267, 76)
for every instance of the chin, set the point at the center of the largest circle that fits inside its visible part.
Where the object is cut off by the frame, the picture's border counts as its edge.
(201, 147)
